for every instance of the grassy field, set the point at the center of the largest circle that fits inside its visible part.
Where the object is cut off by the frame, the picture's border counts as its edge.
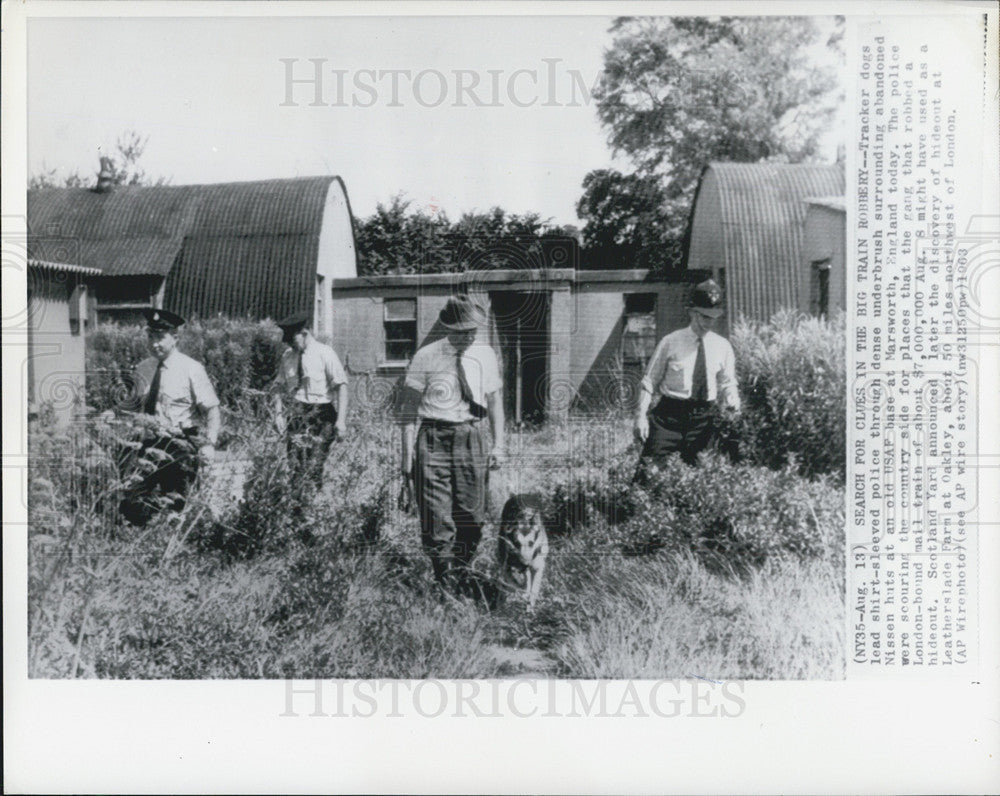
(721, 571)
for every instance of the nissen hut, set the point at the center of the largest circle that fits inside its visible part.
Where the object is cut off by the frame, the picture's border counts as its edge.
(244, 249)
(748, 227)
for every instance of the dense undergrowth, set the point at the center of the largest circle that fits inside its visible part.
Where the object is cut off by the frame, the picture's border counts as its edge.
(722, 570)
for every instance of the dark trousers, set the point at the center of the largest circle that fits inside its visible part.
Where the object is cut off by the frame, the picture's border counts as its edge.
(158, 475)
(677, 426)
(311, 430)
(450, 479)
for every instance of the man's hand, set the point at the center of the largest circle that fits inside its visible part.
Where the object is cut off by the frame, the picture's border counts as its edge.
(341, 429)
(641, 429)
(207, 453)
(730, 414)
(497, 457)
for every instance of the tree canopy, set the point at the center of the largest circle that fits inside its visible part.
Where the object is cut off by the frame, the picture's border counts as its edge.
(679, 92)
(398, 240)
(625, 219)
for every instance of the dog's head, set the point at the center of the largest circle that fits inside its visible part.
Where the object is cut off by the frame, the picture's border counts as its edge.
(522, 524)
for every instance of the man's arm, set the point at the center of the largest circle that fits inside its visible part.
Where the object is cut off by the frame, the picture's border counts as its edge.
(641, 420)
(336, 377)
(729, 392)
(494, 408)
(208, 402)
(342, 401)
(278, 388)
(213, 424)
(650, 382)
(409, 403)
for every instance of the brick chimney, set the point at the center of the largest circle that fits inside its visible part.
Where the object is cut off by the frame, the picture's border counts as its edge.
(106, 176)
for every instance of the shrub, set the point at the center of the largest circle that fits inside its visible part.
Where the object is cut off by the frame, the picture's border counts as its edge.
(739, 516)
(792, 378)
(240, 355)
(278, 509)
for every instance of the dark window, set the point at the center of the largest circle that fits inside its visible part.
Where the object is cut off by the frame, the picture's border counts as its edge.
(640, 303)
(820, 288)
(639, 329)
(638, 344)
(400, 323)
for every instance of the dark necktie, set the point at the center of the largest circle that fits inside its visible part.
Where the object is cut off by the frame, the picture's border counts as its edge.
(699, 382)
(476, 409)
(149, 407)
(302, 375)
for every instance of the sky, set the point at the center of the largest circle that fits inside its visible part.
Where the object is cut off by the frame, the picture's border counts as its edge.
(455, 113)
(213, 97)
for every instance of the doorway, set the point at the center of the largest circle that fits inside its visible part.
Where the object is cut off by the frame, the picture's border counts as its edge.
(522, 326)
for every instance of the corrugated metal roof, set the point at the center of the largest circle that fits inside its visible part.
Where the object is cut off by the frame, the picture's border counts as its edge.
(68, 268)
(838, 203)
(255, 275)
(763, 212)
(126, 231)
(237, 248)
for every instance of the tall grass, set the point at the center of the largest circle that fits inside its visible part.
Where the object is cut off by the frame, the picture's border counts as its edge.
(793, 379)
(724, 570)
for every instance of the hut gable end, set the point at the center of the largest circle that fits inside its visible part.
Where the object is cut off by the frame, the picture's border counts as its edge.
(748, 220)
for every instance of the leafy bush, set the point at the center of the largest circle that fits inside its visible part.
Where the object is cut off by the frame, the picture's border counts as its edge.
(739, 516)
(255, 581)
(279, 509)
(792, 378)
(238, 354)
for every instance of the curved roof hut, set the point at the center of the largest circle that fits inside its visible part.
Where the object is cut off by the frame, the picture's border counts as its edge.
(257, 249)
(747, 227)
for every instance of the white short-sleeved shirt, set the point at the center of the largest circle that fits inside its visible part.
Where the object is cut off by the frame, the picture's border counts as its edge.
(433, 373)
(671, 369)
(322, 373)
(184, 388)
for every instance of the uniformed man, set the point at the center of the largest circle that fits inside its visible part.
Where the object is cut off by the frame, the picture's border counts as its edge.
(311, 401)
(452, 388)
(176, 393)
(691, 370)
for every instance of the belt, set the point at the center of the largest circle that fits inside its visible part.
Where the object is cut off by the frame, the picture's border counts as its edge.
(682, 404)
(435, 423)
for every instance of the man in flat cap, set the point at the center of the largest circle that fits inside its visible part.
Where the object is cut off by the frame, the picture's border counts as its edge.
(177, 395)
(311, 402)
(452, 388)
(691, 370)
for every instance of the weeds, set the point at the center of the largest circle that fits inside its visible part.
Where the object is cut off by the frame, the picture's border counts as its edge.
(723, 570)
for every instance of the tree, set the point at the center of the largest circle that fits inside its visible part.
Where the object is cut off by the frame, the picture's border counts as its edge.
(677, 93)
(123, 162)
(625, 221)
(395, 240)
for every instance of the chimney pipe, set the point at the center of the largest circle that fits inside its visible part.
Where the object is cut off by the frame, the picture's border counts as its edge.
(106, 176)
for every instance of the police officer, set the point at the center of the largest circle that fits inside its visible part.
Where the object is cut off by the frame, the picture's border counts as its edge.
(312, 392)
(691, 370)
(176, 393)
(452, 387)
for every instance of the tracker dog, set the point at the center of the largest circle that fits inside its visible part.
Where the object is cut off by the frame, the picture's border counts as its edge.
(523, 544)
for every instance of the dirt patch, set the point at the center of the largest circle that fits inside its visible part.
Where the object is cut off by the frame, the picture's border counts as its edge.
(525, 662)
